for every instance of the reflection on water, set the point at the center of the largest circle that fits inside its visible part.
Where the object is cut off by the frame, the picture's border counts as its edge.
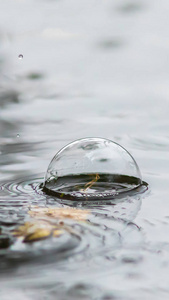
(88, 69)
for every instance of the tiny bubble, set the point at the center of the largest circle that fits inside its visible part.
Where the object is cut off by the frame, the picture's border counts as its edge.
(20, 56)
(18, 135)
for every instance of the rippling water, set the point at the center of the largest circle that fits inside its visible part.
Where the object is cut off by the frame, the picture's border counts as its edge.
(89, 68)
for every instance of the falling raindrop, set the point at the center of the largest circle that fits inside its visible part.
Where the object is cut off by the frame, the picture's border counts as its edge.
(20, 56)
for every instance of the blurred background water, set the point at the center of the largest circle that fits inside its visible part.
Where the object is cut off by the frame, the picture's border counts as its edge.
(71, 69)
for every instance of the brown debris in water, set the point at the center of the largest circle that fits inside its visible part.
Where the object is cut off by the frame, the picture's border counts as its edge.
(91, 183)
(59, 213)
(36, 230)
(39, 228)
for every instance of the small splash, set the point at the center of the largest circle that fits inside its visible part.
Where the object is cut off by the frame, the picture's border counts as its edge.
(20, 56)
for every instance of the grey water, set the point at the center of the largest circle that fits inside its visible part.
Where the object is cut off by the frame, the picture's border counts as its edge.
(71, 69)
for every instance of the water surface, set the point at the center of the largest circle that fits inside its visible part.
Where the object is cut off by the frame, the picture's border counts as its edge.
(89, 69)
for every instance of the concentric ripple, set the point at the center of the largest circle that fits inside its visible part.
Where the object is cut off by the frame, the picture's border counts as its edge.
(16, 198)
(28, 187)
(86, 229)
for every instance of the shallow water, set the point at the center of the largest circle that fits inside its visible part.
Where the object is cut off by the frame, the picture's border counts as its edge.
(89, 68)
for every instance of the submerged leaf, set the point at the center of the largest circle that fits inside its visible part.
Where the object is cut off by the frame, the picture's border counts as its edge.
(59, 213)
(36, 230)
(41, 228)
(38, 234)
(57, 232)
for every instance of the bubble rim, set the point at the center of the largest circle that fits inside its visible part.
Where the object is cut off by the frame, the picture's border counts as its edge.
(91, 139)
(139, 189)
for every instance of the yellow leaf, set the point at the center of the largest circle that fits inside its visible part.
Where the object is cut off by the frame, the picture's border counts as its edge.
(38, 229)
(57, 232)
(39, 234)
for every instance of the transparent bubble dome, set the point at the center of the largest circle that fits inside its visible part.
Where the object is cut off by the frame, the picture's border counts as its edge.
(93, 169)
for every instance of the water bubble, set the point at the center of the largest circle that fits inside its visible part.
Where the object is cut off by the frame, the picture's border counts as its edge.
(18, 135)
(20, 56)
(94, 168)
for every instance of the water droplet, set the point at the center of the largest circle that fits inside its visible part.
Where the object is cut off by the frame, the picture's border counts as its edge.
(18, 135)
(20, 56)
